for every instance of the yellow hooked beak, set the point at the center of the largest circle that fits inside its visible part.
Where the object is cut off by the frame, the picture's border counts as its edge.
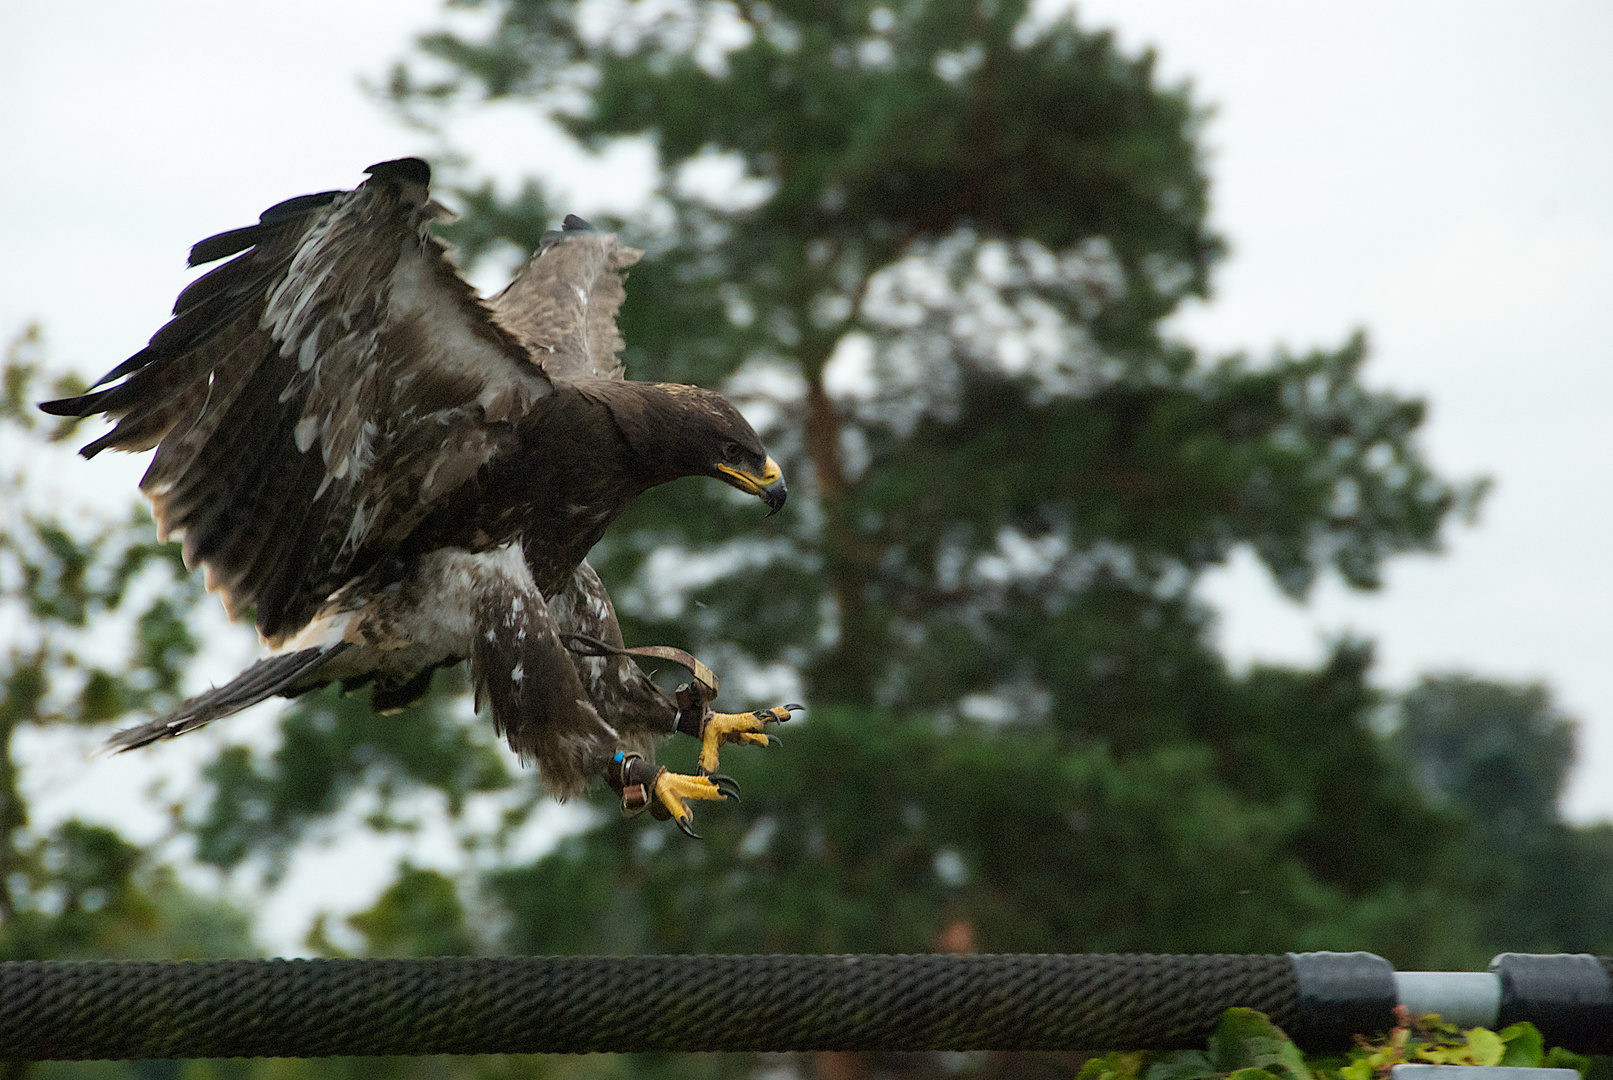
(769, 487)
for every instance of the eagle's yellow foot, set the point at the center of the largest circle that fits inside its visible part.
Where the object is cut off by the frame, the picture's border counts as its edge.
(744, 727)
(671, 789)
(642, 786)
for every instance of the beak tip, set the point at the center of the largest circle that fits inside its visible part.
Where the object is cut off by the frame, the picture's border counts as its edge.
(774, 495)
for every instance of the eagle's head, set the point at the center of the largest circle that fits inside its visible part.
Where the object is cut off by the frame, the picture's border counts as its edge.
(689, 431)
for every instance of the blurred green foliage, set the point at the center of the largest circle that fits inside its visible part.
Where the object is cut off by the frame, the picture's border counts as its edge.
(1248, 1046)
(937, 276)
(1498, 755)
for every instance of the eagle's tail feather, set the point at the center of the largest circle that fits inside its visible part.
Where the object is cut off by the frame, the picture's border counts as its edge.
(281, 674)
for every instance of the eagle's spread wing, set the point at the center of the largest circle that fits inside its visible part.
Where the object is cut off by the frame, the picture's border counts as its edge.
(315, 396)
(562, 304)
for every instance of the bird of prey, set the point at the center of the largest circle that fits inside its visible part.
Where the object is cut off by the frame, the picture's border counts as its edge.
(392, 475)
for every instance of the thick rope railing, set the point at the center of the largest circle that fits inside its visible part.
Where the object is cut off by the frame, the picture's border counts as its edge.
(313, 1008)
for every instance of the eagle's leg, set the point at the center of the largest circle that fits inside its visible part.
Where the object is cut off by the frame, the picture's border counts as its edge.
(643, 786)
(720, 728)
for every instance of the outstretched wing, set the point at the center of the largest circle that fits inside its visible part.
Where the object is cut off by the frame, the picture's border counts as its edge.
(562, 304)
(314, 397)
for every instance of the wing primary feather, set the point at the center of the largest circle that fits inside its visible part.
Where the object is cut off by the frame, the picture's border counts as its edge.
(223, 245)
(228, 243)
(214, 298)
(134, 363)
(411, 169)
(298, 206)
(152, 370)
(219, 279)
(83, 405)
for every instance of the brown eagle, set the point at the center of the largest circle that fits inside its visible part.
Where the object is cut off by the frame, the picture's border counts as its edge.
(395, 475)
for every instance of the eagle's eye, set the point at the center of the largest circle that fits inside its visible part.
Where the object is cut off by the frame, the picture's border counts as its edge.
(732, 451)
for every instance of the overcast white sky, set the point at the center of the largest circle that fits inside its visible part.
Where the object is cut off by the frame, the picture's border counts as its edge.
(1438, 173)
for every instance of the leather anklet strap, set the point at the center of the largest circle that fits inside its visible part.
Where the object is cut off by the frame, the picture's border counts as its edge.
(705, 680)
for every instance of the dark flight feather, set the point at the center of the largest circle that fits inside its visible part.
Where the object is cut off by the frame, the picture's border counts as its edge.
(228, 243)
(223, 245)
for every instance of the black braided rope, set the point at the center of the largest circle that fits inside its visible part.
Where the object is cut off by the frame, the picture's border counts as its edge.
(578, 1004)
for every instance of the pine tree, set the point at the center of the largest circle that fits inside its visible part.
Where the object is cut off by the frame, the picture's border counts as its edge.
(941, 281)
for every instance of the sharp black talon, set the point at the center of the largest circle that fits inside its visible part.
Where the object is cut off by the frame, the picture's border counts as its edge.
(683, 824)
(774, 740)
(728, 786)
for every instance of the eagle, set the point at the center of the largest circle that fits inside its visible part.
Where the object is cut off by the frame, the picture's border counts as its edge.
(390, 475)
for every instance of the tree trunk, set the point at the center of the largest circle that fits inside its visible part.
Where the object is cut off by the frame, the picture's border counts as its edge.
(846, 673)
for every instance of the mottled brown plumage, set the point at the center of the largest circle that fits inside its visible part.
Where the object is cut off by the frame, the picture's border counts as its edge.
(396, 475)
